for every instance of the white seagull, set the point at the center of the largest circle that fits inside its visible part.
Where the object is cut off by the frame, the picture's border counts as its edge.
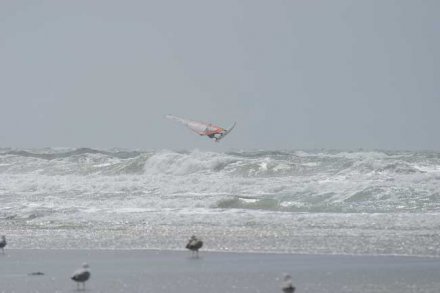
(288, 284)
(81, 275)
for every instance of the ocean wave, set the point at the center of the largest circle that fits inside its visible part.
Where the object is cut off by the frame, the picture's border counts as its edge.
(52, 154)
(296, 201)
(181, 164)
(254, 163)
(286, 181)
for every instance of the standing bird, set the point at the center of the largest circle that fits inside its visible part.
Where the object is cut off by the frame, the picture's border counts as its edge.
(81, 275)
(287, 284)
(194, 244)
(3, 244)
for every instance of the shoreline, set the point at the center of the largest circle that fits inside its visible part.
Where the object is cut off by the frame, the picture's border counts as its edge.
(176, 271)
(157, 250)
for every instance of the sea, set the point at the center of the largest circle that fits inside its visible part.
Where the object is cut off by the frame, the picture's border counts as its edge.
(283, 201)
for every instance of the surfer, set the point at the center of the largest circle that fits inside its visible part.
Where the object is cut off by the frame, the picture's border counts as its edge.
(202, 128)
(215, 134)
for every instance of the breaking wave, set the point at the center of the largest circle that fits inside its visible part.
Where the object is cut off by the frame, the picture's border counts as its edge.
(308, 201)
(312, 181)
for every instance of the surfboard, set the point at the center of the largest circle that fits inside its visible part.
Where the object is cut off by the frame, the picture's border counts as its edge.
(226, 132)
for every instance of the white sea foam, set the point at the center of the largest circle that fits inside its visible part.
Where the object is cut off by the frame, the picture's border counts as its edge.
(280, 194)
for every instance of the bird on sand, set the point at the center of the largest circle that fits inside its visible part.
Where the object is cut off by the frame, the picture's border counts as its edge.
(3, 243)
(81, 276)
(287, 286)
(194, 244)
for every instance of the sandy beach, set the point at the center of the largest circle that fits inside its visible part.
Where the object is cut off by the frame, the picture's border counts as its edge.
(177, 271)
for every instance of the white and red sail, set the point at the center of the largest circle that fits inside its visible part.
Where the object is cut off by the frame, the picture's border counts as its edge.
(201, 128)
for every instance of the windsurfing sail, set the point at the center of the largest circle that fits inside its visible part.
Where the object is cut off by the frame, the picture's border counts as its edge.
(202, 128)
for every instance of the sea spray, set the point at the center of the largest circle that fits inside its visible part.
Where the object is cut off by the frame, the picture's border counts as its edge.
(302, 201)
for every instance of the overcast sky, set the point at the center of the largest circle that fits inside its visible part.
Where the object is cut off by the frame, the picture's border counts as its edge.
(293, 74)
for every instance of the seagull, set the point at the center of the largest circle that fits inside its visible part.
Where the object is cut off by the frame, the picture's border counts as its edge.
(81, 275)
(3, 244)
(194, 244)
(287, 284)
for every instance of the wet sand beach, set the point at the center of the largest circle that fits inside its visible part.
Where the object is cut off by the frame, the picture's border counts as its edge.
(176, 271)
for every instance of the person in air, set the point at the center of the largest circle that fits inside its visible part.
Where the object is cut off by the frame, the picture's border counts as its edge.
(216, 133)
(215, 136)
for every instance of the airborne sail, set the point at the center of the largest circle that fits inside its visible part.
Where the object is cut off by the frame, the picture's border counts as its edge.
(202, 128)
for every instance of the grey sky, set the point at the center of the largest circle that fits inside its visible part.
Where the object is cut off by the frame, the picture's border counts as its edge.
(293, 74)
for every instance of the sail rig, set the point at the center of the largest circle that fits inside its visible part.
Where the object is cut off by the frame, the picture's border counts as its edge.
(202, 128)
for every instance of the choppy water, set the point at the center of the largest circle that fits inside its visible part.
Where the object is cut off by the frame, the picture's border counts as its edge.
(279, 201)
